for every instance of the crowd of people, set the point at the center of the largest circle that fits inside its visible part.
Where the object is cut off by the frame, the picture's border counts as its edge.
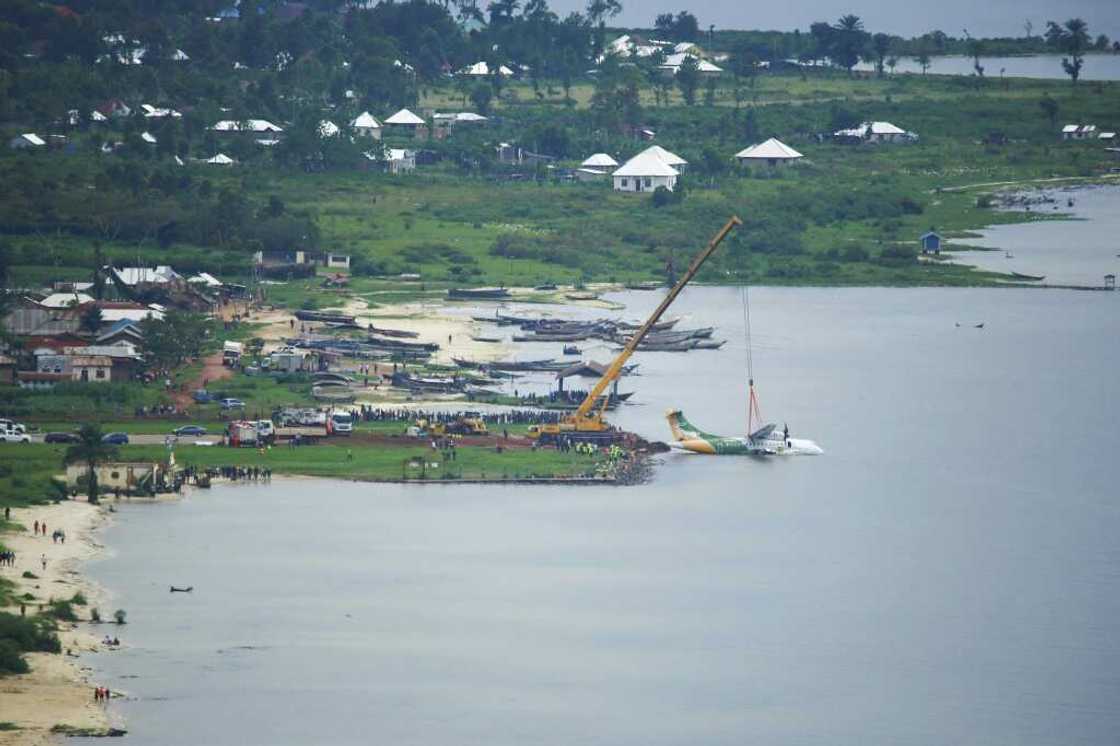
(369, 413)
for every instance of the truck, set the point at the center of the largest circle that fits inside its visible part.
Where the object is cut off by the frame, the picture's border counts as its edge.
(243, 433)
(340, 422)
(301, 425)
(231, 353)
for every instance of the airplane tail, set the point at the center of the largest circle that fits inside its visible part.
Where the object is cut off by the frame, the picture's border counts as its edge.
(681, 428)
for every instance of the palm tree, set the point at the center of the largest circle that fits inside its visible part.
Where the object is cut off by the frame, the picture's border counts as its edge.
(91, 451)
(1074, 40)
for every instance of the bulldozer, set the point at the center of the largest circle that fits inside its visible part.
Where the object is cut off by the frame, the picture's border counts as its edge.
(588, 422)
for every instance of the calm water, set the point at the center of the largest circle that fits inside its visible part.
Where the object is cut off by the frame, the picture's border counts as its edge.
(1080, 251)
(1096, 66)
(948, 573)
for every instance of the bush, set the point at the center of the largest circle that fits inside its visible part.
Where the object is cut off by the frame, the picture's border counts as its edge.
(95, 615)
(30, 575)
(11, 661)
(120, 615)
(62, 610)
(23, 635)
(78, 599)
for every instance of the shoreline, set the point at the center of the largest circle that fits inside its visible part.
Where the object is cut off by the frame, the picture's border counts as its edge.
(55, 698)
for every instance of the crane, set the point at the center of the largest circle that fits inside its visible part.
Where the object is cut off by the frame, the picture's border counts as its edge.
(587, 423)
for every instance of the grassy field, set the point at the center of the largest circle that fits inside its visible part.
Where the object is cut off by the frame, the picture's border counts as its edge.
(26, 471)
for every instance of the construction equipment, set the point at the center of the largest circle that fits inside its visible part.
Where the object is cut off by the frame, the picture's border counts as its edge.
(584, 424)
(462, 425)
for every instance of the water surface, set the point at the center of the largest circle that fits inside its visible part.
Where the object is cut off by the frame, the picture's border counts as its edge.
(947, 573)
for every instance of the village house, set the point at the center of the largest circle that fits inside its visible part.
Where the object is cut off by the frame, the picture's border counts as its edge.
(400, 161)
(443, 124)
(122, 330)
(91, 368)
(65, 300)
(152, 112)
(645, 172)
(772, 152)
(26, 141)
(252, 126)
(365, 125)
(406, 124)
(1079, 131)
(482, 70)
(674, 62)
(595, 167)
(336, 261)
(874, 132)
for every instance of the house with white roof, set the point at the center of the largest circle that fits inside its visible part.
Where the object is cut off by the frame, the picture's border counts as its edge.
(148, 137)
(671, 159)
(600, 163)
(205, 279)
(327, 129)
(772, 152)
(152, 112)
(875, 132)
(673, 63)
(27, 140)
(482, 70)
(400, 161)
(444, 122)
(365, 125)
(1079, 131)
(65, 300)
(645, 172)
(255, 126)
(221, 159)
(406, 123)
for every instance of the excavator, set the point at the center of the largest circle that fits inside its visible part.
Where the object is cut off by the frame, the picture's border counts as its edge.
(588, 422)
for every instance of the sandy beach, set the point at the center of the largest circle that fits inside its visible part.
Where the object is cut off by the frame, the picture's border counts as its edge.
(58, 692)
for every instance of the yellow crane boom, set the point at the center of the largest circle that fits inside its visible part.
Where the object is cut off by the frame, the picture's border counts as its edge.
(582, 419)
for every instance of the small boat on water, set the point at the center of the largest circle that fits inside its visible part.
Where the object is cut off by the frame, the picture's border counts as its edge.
(710, 344)
(653, 285)
(477, 294)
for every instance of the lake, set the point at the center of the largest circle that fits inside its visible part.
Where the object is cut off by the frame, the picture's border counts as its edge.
(948, 572)
(1079, 251)
(1049, 66)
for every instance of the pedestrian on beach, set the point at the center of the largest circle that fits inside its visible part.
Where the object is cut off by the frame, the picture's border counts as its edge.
(43, 559)
(7, 514)
(43, 527)
(36, 528)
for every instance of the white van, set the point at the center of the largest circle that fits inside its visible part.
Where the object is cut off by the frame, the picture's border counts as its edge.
(341, 423)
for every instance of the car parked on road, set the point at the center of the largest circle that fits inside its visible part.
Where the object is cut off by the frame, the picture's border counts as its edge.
(14, 436)
(189, 430)
(60, 438)
(116, 439)
(232, 404)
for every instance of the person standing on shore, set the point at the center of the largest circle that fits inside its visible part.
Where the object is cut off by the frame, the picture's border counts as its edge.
(43, 559)
(36, 527)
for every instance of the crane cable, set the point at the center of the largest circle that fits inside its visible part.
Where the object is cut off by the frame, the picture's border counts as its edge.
(753, 410)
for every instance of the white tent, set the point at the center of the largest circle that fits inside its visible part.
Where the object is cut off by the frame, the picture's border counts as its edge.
(221, 159)
(773, 150)
(404, 117)
(600, 161)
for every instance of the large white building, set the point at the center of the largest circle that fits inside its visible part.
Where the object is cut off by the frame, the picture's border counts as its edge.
(645, 172)
(773, 152)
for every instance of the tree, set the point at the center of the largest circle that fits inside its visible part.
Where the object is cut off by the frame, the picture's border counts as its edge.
(880, 47)
(1073, 39)
(91, 320)
(744, 65)
(847, 42)
(1050, 108)
(922, 57)
(688, 78)
(481, 96)
(91, 451)
(1102, 43)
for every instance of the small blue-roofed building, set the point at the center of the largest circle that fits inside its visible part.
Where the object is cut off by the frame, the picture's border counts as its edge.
(931, 243)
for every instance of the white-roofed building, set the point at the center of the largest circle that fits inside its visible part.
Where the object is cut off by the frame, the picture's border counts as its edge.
(400, 161)
(327, 129)
(152, 112)
(148, 137)
(772, 151)
(671, 159)
(65, 300)
(645, 172)
(205, 278)
(111, 315)
(444, 122)
(673, 63)
(161, 275)
(365, 125)
(876, 132)
(482, 70)
(1079, 131)
(406, 123)
(221, 159)
(25, 141)
(256, 126)
(599, 163)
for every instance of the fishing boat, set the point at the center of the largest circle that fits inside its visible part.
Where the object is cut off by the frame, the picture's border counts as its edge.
(394, 333)
(547, 337)
(397, 344)
(653, 285)
(325, 392)
(710, 344)
(325, 317)
(477, 294)
(581, 296)
(488, 340)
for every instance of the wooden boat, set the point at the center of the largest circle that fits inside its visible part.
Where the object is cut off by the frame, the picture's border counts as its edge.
(710, 344)
(660, 326)
(548, 337)
(682, 346)
(546, 286)
(477, 294)
(652, 285)
(324, 316)
(395, 333)
(489, 340)
(396, 344)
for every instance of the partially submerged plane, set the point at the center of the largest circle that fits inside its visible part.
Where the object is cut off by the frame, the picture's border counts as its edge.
(769, 440)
